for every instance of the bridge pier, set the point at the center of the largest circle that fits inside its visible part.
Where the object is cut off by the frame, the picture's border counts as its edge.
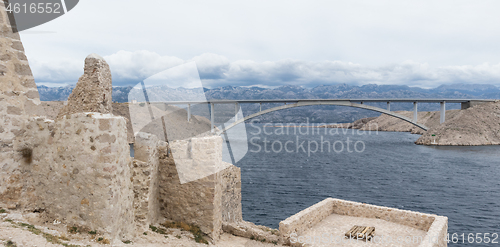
(388, 105)
(212, 117)
(260, 106)
(415, 113)
(189, 112)
(235, 112)
(443, 112)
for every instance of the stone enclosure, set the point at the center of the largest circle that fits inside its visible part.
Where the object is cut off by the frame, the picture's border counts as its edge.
(434, 227)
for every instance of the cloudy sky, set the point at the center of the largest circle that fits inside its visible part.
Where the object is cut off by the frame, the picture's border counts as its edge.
(270, 43)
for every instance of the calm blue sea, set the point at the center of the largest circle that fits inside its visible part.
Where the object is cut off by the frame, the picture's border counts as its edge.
(384, 168)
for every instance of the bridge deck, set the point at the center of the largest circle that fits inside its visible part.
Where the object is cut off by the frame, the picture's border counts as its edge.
(420, 100)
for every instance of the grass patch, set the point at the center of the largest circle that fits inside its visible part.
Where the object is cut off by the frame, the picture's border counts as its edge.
(2, 211)
(10, 244)
(94, 232)
(103, 240)
(195, 230)
(73, 230)
(157, 229)
(127, 242)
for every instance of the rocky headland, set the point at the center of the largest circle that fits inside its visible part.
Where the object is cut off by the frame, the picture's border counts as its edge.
(478, 125)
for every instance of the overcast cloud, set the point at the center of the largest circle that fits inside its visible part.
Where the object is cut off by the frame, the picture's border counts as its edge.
(271, 43)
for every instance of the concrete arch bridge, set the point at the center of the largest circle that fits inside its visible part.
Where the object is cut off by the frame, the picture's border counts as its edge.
(358, 103)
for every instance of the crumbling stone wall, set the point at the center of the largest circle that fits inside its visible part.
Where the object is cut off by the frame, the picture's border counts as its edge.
(197, 202)
(18, 100)
(231, 194)
(93, 90)
(145, 179)
(79, 172)
(161, 194)
(77, 169)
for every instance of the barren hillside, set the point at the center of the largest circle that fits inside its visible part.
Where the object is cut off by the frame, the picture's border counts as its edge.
(478, 125)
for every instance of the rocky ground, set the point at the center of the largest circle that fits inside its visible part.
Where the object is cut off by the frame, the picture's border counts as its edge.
(478, 125)
(27, 230)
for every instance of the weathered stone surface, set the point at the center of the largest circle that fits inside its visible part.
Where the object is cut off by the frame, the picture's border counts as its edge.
(76, 179)
(197, 158)
(15, 107)
(93, 90)
(231, 194)
(146, 180)
(198, 202)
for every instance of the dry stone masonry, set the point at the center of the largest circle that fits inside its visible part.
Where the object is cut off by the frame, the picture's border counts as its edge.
(93, 90)
(78, 172)
(146, 180)
(18, 100)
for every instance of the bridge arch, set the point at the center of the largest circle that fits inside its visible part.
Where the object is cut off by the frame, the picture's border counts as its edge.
(322, 102)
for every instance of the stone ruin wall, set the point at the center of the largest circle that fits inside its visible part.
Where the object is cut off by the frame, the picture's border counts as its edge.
(79, 172)
(160, 196)
(231, 195)
(18, 100)
(78, 169)
(207, 202)
(145, 179)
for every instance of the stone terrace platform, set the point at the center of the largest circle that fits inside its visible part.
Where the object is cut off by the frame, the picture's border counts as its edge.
(325, 223)
(388, 233)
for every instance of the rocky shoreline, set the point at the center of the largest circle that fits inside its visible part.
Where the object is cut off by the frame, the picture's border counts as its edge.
(475, 126)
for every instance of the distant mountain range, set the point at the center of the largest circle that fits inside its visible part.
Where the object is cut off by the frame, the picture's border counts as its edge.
(324, 114)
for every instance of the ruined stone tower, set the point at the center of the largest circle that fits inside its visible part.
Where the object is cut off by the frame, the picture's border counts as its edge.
(18, 100)
(93, 90)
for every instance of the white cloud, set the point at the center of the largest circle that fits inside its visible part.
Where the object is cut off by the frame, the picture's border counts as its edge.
(129, 68)
(56, 72)
(272, 43)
